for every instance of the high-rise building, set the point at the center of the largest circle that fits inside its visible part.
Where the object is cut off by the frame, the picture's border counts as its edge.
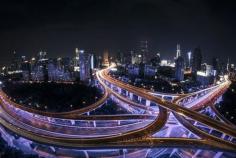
(144, 51)
(156, 60)
(26, 70)
(42, 56)
(92, 61)
(76, 60)
(45, 71)
(178, 52)
(149, 70)
(120, 57)
(132, 57)
(179, 68)
(15, 63)
(196, 60)
(85, 65)
(228, 65)
(189, 57)
(216, 65)
(39, 67)
(105, 58)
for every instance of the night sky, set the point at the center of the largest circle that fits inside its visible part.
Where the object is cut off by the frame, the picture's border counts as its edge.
(58, 27)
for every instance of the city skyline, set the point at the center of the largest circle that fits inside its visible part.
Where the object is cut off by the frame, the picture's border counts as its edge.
(115, 54)
(118, 78)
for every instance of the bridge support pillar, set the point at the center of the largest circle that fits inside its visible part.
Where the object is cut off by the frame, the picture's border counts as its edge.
(162, 97)
(119, 90)
(210, 131)
(148, 102)
(53, 149)
(189, 134)
(124, 153)
(49, 119)
(72, 122)
(131, 95)
(126, 93)
(196, 154)
(139, 99)
(223, 135)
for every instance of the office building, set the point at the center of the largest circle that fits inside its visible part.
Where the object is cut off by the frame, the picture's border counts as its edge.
(85, 65)
(197, 60)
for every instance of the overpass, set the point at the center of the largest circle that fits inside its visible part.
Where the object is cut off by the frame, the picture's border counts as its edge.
(139, 130)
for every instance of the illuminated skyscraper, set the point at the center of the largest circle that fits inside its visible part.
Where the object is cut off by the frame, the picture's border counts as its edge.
(42, 56)
(76, 61)
(189, 55)
(132, 57)
(85, 65)
(228, 65)
(178, 51)
(179, 68)
(105, 59)
(92, 61)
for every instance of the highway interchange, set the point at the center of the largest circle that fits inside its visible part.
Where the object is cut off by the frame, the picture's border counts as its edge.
(147, 126)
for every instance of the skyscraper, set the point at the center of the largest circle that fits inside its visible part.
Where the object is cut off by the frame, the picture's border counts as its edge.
(105, 58)
(92, 61)
(179, 68)
(227, 66)
(15, 63)
(189, 56)
(196, 60)
(144, 51)
(76, 62)
(85, 65)
(42, 56)
(26, 69)
(178, 51)
(216, 65)
(156, 60)
(132, 57)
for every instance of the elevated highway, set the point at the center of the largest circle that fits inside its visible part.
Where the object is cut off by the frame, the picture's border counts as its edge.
(136, 133)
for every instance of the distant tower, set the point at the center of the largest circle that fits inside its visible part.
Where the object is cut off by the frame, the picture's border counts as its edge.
(76, 57)
(189, 59)
(228, 64)
(132, 57)
(178, 51)
(92, 61)
(42, 56)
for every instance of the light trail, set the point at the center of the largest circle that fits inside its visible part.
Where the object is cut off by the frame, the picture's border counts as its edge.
(139, 136)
